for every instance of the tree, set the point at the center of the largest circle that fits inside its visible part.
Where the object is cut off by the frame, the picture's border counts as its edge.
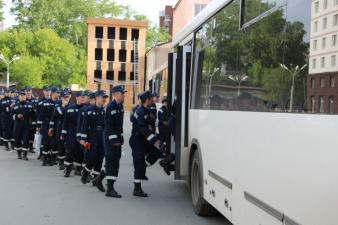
(156, 35)
(28, 71)
(1, 10)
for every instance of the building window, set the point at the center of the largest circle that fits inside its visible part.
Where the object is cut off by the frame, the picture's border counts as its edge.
(135, 33)
(324, 23)
(331, 99)
(333, 60)
(98, 54)
(325, 4)
(199, 8)
(314, 62)
(321, 104)
(99, 32)
(123, 34)
(111, 55)
(122, 55)
(332, 81)
(322, 82)
(315, 45)
(110, 75)
(313, 82)
(334, 40)
(111, 33)
(132, 56)
(315, 26)
(313, 102)
(122, 76)
(98, 74)
(324, 42)
(322, 62)
(335, 20)
(132, 76)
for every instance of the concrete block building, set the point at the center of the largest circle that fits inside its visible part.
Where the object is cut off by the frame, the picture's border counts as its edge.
(116, 55)
(322, 89)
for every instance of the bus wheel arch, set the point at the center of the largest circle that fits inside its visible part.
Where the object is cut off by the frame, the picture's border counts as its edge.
(200, 205)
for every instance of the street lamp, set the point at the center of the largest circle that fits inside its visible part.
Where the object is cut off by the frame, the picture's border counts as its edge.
(294, 72)
(238, 79)
(2, 58)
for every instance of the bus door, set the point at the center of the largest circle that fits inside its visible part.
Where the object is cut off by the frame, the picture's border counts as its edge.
(179, 67)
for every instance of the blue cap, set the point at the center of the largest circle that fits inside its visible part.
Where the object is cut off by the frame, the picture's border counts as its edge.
(155, 95)
(7, 90)
(86, 92)
(65, 94)
(79, 94)
(118, 88)
(13, 90)
(46, 88)
(92, 95)
(28, 88)
(54, 89)
(145, 95)
(22, 92)
(101, 93)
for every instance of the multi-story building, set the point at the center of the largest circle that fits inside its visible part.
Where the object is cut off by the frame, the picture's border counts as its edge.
(166, 19)
(322, 89)
(157, 57)
(116, 56)
(185, 10)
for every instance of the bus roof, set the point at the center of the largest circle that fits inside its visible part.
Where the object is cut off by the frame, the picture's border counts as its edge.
(196, 22)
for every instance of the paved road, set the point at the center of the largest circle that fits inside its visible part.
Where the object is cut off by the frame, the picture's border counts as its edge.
(35, 195)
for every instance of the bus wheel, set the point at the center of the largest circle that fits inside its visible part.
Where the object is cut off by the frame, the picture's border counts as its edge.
(201, 207)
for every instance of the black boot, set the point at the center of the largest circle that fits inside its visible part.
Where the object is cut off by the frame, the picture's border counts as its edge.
(44, 160)
(138, 191)
(12, 145)
(7, 146)
(19, 154)
(52, 160)
(98, 181)
(25, 155)
(111, 190)
(31, 150)
(84, 176)
(61, 164)
(67, 171)
(78, 170)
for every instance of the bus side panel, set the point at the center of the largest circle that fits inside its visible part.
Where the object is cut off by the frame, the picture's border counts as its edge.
(289, 162)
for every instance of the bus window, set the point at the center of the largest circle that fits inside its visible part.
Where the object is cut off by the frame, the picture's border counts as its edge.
(252, 69)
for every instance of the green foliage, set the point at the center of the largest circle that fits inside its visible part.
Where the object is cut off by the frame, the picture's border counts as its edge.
(58, 59)
(28, 70)
(155, 36)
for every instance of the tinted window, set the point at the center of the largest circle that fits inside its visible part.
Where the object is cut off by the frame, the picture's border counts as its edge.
(99, 32)
(241, 69)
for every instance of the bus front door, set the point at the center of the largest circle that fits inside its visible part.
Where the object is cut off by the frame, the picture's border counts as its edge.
(179, 85)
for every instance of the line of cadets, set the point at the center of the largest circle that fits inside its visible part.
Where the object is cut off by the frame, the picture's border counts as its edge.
(85, 134)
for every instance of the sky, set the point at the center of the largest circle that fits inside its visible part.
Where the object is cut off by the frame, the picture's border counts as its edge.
(150, 8)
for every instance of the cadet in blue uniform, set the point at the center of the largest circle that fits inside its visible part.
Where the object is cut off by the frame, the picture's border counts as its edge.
(141, 136)
(14, 100)
(49, 151)
(55, 126)
(163, 118)
(6, 118)
(33, 101)
(38, 106)
(23, 116)
(74, 153)
(92, 131)
(113, 140)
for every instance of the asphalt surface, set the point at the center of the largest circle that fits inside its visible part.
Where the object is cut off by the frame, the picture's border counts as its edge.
(34, 195)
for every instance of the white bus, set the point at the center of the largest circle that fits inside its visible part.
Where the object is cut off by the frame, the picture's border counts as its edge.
(253, 138)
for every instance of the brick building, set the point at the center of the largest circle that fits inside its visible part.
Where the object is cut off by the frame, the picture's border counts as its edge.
(116, 55)
(322, 89)
(166, 19)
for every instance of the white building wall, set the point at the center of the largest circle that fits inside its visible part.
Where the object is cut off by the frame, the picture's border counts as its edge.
(324, 36)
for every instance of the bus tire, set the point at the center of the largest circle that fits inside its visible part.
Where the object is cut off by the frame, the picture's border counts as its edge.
(200, 206)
